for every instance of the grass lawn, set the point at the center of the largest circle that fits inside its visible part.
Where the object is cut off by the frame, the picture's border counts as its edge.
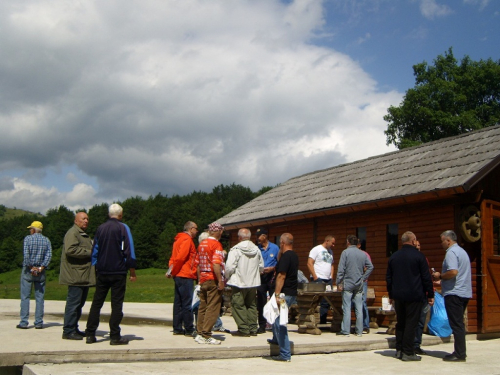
(151, 286)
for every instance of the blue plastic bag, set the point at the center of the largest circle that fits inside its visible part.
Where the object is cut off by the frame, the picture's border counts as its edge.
(438, 324)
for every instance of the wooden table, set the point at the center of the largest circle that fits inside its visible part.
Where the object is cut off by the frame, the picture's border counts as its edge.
(308, 317)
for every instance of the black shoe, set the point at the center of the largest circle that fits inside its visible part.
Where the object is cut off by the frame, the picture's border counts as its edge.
(120, 341)
(398, 354)
(72, 336)
(83, 334)
(453, 358)
(90, 339)
(178, 333)
(419, 351)
(21, 327)
(240, 334)
(342, 334)
(261, 330)
(39, 326)
(366, 330)
(253, 333)
(190, 334)
(408, 358)
(271, 342)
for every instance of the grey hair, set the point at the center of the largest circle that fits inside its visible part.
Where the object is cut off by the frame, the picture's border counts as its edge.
(408, 236)
(287, 238)
(202, 236)
(449, 234)
(115, 210)
(244, 234)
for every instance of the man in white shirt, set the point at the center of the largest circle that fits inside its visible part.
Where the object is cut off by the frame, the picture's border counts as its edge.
(320, 265)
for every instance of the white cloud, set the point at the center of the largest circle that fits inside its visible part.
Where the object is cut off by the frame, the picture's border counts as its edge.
(482, 3)
(171, 97)
(430, 9)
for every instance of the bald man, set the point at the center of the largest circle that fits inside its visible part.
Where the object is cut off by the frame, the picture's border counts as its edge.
(76, 273)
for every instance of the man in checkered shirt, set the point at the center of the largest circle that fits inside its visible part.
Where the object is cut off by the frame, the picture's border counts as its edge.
(37, 254)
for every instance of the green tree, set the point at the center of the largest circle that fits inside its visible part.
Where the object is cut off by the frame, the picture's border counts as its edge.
(11, 254)
(3, 210)
(448, 99)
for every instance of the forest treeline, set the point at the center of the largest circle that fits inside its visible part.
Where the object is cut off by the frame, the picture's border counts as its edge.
(154, 223)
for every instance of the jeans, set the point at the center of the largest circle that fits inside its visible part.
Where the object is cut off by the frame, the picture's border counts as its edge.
(266, 285)
(420, 326)
(183, 299)
(348, 297)
(117, 284)
(455, 308)
(280, 333)
(324, 305)
(366, 314)
(38, 282)
(77, 295)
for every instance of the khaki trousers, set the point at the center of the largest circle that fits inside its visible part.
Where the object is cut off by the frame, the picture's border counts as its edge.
(210, 302)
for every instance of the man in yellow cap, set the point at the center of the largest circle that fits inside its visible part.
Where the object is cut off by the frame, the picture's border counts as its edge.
(37, 253)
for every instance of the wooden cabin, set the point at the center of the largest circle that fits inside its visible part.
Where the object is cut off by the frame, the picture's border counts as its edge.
(453, 183)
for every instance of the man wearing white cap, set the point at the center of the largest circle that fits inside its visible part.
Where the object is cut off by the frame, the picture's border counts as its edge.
(211, 271)
(37, 253)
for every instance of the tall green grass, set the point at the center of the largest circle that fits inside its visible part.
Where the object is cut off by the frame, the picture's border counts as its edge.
(151, 286)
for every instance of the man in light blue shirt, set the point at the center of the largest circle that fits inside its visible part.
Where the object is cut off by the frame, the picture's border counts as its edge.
(456, 285)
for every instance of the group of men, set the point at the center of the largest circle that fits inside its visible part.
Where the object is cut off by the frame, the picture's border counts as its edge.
(103, 262)
(254, 273)
(410, 287)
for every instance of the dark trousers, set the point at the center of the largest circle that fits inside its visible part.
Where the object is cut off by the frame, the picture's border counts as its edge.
(77, 295)
(455, 308)
(266, 285)
(183, 299)
(420, 326)
(408, 314)
(324, 305)
(117, 284)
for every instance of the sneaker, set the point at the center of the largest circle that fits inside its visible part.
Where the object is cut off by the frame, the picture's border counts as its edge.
(342, 334)
(408, 358)
(359, 335)
(212, 341)
(279, 359)
(222, 329)
(200, 339)
(21, 327)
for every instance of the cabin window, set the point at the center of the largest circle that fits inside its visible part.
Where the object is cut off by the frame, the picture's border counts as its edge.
(391, 239)
(496, 235)
(361, 234)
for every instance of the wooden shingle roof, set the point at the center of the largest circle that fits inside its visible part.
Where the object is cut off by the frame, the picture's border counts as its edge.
(451, 163)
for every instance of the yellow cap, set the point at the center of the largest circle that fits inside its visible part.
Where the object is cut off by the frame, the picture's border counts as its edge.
(36, 224)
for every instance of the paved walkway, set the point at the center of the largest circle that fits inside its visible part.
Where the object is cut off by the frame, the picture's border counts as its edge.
(148, 326)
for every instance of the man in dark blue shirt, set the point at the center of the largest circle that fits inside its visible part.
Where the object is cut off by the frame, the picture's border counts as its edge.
(113, 255)
(269, 252)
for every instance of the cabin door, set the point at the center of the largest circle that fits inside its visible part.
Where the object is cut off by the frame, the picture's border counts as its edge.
(490, 233)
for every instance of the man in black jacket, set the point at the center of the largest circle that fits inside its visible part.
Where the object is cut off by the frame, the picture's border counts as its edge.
(113, 255)
(409, 284)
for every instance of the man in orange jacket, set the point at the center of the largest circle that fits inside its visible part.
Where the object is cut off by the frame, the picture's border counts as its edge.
(182, 267)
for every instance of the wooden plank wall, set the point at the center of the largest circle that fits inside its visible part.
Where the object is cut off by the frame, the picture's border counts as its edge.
(426, 221)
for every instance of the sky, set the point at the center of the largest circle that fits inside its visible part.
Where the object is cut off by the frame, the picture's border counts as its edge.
(105, 100)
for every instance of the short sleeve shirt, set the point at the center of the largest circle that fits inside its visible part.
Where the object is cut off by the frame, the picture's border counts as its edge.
(270, 255)
(323, 260)
(210, 252)
(289, 263)
(457, 259)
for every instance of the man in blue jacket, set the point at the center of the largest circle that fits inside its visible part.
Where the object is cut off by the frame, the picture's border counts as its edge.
(409, 284)
(113, 255)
